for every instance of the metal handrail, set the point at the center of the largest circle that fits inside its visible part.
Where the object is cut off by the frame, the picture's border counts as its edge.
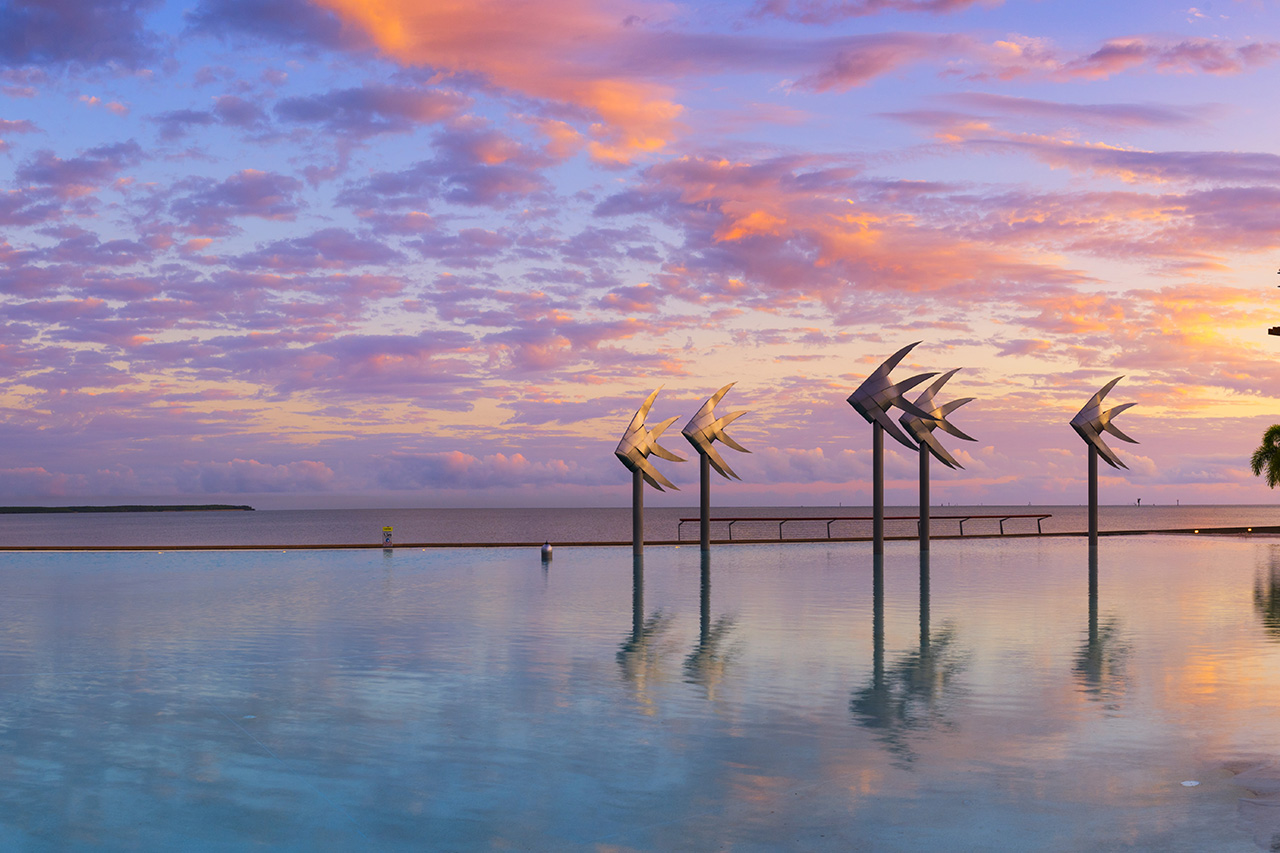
(831, 519)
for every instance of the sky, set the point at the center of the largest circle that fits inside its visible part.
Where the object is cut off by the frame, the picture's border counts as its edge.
(399, 253)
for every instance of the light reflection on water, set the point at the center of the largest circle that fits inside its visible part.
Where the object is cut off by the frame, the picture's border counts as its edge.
(996, 695)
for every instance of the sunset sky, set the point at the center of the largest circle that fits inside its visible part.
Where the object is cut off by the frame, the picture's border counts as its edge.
(437, 252)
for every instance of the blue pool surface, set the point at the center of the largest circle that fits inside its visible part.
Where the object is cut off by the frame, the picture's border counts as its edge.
(777, 697)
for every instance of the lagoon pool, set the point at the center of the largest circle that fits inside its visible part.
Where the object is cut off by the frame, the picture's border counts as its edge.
(776, 697)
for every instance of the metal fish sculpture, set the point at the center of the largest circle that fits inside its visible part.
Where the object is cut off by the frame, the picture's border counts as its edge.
(704, 428)
(921, 429)
(638, 442)
(1091, 421)
(873, 398)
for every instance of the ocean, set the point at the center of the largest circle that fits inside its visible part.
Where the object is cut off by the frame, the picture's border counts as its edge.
(297, 528)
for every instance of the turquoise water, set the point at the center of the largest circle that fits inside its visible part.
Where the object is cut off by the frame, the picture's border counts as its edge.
(794, 697)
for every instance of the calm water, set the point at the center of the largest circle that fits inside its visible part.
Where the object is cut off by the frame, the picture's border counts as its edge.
(781, 697)
(607, 524)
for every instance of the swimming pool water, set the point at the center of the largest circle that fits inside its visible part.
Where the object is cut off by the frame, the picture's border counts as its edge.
(796, 696)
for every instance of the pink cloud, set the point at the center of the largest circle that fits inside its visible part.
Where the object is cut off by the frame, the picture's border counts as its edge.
(373, 109)
(475, 166)
(82, 175)
(1135, 166)
(235, 111)
(773, 234)
(175, 124)
(279, 20)
(330, 248)
(37, 481)
(76, 32)
(27, 206)
(1020, 55)
(250, 475)
(1008, 107)
(863, 58)
(511, 45)
(830, 11)
(459, 470)
(11, 126)
(207, 207)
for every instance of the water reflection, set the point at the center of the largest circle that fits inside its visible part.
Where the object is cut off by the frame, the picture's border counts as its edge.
(706, 664)
(638, 656)
(1099, 667)
(1266, 595)
(912, 695)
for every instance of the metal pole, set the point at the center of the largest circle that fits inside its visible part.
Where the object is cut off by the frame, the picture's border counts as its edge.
(704, 524)
(877, 489)
(1093, 496)
(637, 514)
(924, 497)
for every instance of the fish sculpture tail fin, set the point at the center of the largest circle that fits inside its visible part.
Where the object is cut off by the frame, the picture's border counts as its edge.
(950, 428)
(1111, 427)
(717, 430)
(657, 449)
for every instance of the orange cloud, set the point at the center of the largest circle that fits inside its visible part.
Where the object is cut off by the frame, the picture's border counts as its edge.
(793, 233)
(547, 50)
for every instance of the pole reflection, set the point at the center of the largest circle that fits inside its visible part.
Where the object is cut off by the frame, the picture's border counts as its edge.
(911, 695)
(1099, 667)
(706, 665)
(639, 653)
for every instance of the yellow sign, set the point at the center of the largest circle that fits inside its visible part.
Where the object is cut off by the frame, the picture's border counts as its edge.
(386, 530)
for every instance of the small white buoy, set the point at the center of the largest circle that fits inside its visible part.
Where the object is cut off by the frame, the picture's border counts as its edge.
(546, 551)
(1189, 784)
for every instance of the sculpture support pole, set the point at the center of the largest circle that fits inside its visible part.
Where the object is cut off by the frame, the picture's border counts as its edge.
(877, 489)
(1093, 496)
(704, 522)
(637, 513)
(924, 497)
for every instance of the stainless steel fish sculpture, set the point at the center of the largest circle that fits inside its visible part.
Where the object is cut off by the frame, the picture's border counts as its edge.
(704, 428)
(921, 429)
(1091, 421)
(638, 442)
(873, 398)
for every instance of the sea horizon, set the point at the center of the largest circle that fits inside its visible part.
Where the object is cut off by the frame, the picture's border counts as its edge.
(523, 525)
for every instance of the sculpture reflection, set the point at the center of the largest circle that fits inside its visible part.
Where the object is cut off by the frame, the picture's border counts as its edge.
(640, 652)
(706, 664)
(1099, 666)
(913, 694)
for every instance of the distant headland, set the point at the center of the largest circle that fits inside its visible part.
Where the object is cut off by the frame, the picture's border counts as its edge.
(130, 508)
